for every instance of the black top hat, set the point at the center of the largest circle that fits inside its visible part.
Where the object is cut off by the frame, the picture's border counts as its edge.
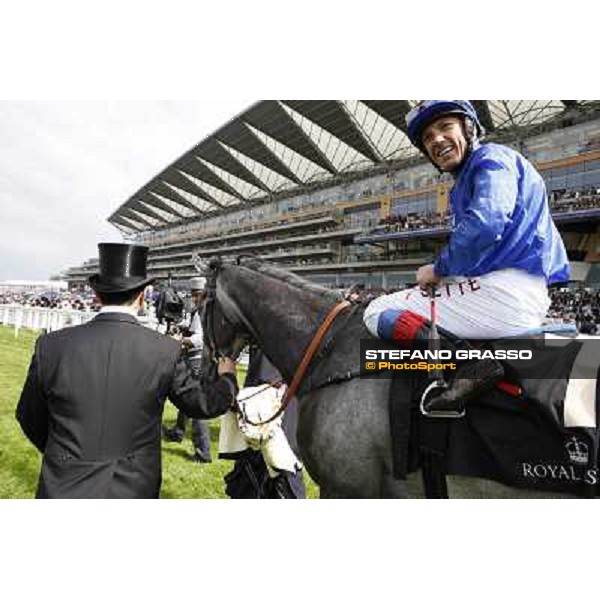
(122, 268)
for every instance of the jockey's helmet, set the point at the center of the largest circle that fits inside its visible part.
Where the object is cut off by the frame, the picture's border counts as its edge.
(428, 111)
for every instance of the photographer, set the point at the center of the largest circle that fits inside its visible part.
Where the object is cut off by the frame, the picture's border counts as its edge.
(168, 306)
(192, 343)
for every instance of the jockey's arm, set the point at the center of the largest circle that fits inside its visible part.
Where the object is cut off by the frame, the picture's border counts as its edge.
(488, 211)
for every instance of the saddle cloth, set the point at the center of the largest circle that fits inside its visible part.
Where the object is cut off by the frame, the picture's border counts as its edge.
(546, 438)
(237, 433)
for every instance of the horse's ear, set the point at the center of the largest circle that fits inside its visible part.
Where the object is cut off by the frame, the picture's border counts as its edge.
(202, 266)
(250, 256)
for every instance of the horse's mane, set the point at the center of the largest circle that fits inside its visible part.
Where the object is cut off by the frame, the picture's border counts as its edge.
(290, 278)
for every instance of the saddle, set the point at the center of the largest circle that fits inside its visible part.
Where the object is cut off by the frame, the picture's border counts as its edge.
(537, 429)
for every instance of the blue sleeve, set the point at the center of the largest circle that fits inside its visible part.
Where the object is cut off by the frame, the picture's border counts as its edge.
(493, 200)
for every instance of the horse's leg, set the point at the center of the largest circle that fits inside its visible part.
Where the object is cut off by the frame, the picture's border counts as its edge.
(414, 483)
(390, 488)
(394, 488)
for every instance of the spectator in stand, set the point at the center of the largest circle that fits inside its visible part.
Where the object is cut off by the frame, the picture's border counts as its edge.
(581, 307)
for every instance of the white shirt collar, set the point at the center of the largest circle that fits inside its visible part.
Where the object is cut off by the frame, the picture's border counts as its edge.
(126, 310)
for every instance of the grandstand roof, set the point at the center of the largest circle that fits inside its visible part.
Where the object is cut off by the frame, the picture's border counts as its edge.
(278, 147)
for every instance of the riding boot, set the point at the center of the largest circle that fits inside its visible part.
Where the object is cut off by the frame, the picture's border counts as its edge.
(472, 378)
(442, 399)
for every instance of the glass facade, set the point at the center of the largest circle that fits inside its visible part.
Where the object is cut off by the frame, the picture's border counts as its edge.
(576, 176)
(422, 203)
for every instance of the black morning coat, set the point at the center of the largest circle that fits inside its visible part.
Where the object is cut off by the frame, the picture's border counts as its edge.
(93, 403)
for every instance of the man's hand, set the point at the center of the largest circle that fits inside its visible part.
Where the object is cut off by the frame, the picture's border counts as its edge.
(226, 365)
(426, 276)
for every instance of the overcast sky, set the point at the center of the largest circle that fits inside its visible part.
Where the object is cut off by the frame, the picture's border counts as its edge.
(66, 166)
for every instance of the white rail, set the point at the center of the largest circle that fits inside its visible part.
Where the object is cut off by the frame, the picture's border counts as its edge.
(49, 319)
(37, 318)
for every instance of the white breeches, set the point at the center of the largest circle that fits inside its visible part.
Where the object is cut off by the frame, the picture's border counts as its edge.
(499, 304)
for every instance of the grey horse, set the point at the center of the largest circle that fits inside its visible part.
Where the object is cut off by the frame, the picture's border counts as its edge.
(343, 428)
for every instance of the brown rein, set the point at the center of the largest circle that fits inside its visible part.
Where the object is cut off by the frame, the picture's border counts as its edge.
(306, 359)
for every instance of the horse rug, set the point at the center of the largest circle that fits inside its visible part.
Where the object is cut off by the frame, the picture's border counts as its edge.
(538, 429)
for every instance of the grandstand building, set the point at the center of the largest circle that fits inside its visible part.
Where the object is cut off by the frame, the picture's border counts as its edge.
(334, 191)
(21, 286)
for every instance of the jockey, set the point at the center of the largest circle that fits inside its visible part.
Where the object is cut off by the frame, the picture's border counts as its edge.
(503, 251)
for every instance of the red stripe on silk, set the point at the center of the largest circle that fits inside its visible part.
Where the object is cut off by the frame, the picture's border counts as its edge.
(408, 325)
(509, 388)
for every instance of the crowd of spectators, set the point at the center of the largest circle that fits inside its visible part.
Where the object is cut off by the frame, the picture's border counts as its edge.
(581, 307)
(561, 200)
(84, 301)
(428, 220)
(574, 199)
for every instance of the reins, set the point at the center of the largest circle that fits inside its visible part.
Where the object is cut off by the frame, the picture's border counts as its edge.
(306, 359)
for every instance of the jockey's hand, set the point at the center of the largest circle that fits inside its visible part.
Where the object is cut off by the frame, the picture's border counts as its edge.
(426, 276)
(226, 365)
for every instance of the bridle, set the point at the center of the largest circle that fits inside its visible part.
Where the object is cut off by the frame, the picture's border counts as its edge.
(215, 353)
(240, 341)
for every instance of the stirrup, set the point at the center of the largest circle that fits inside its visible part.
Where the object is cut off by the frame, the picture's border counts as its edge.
(440, 414)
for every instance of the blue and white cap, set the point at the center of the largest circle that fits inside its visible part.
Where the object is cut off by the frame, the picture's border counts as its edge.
(428, 110)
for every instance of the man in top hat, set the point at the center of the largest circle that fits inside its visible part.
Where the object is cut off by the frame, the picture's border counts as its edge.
(94, 395)
(192, 342)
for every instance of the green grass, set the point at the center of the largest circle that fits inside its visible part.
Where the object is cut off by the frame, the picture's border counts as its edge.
(20, 461)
